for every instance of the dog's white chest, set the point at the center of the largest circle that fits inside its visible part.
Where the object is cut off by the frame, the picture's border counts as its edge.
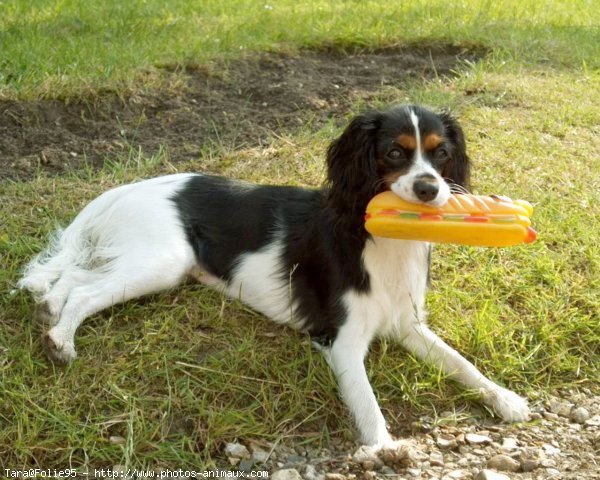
(398, 276)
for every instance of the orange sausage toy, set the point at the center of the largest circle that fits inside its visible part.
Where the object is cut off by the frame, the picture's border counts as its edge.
(489, 221)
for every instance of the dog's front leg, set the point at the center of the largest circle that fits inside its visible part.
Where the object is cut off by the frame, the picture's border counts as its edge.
(346, 358)
(426, 345)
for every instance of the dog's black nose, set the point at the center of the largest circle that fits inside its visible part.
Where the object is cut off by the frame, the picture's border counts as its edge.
(426, 189)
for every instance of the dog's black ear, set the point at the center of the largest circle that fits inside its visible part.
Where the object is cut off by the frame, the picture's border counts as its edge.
(352, 162)
(458, 167)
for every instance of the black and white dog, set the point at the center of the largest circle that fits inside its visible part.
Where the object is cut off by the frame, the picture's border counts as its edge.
(300, 256)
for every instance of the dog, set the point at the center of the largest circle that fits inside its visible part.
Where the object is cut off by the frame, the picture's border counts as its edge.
(300, 256)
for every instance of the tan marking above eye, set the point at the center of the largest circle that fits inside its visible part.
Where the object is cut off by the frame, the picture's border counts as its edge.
(407, 141)
(432, 141)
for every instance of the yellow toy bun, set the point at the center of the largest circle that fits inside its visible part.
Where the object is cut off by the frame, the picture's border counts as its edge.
(490, 221)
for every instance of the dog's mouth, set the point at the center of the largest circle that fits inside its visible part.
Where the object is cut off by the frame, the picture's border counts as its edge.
(406, 193)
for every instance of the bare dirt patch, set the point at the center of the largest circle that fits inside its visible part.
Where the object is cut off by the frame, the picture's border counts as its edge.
(238, 104)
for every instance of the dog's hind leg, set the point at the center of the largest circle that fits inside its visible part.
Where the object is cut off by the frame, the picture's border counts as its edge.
(127, 279)
(51, 304)
(45, 269)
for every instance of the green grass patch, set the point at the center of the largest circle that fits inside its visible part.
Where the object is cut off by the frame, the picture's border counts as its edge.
(60, 49)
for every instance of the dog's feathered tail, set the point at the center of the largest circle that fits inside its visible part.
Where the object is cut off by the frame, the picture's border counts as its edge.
(70, 248)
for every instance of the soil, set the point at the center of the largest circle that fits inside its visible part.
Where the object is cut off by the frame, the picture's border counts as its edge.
(236, 104)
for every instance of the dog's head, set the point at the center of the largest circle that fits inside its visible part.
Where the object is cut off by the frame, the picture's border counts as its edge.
(417, 154)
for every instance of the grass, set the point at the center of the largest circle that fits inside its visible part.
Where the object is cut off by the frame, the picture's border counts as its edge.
(165, 382)
(58, 49)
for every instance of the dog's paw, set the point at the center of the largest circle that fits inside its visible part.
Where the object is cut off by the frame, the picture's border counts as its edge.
(58, 349)
(37, 285)
(43, 314)
(400, 453)
(390, 444)
(510, 406)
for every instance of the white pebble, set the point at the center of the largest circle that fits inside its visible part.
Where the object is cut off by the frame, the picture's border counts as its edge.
(491, 475)
(236, 450)
(286, 474)
(579, 415)
(476, 439)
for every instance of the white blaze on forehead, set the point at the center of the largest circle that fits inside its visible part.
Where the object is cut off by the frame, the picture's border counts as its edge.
(415, 121)
(404, 184)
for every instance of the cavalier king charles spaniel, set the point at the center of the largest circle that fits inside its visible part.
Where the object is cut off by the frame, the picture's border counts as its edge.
(300, 256)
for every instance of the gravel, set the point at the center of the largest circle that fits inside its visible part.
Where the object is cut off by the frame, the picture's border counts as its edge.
(504, 463)
(236, 450)
(286, 474)
(561, 442)
(580, 415)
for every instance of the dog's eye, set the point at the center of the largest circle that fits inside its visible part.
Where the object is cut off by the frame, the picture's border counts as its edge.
(441, 156)
(395, 154)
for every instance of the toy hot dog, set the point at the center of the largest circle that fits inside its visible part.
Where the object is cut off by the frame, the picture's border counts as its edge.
(490, 221)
